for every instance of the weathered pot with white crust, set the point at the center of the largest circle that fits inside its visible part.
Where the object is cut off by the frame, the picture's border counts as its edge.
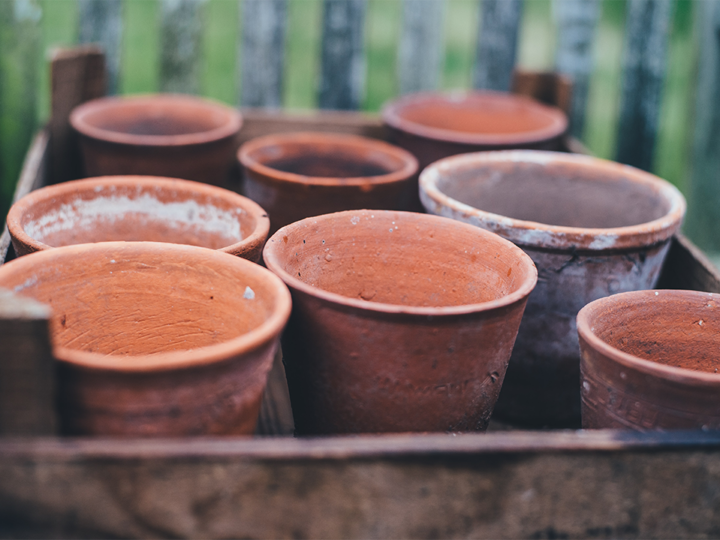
(138, 208)
(155, 339)
(649, 361)
(401, 321)
(592, 227)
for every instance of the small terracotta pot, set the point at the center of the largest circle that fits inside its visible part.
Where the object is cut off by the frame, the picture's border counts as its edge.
(401, 321)
(155, 339)
(592, 227)
(169, 135)
(299, 175)
(138, 208)
(649, 360)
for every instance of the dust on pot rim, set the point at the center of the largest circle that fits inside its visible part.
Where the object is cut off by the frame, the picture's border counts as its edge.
(504, 191)
(67, 265)
(326, 159)
(475, 118)
(698, 311)
(174, 120)
(389, 222)
(169, 210)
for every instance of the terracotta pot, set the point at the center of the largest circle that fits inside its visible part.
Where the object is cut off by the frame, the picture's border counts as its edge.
(169, 135)
(155, 339)
(138, 208)
(649, 361)
(299, 175)
(592, 227)
(401, 321)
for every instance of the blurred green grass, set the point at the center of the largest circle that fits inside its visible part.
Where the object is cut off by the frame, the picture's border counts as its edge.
(24, 100)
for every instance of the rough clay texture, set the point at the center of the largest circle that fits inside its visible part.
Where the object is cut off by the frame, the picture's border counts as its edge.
(299, 175)
(138, 209)
(398, 346)
(146, 335)
(568, 215)
(162, 135)
(677, 329)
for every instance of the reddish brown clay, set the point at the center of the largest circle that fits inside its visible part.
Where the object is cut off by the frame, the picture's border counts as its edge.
(138, 208)
(155, 339)
(592, 227)
(649, 360)
(158, 135)
(401, 321)
(299, 175)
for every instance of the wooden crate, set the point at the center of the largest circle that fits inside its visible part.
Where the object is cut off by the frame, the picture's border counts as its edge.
(539, 484)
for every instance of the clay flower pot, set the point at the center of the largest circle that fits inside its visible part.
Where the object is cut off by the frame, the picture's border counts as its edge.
(401, 321)
(649, 360)
(138, 208)
(299, 175)
(592, 227)
(155, 339)
(169, 135)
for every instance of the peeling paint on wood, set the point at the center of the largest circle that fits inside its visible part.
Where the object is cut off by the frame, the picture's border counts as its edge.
(497, 44)
(421, 49)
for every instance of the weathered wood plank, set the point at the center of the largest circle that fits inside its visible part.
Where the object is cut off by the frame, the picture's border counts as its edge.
(420, 52)
(702, 224)
(342, 77)
(577, 21)
(497, 44)
(644, 62)
(27, 369)
(545, 86)
(686, 267)
(263, 52)
(252, 489)
(101, 23)
(77, 75)
(181, 29)
(276, 418)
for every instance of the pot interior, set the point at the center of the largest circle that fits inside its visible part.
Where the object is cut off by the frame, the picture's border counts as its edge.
(672, 328)
(400, 258)
(106, 213)
(142, 298)
(568, 195)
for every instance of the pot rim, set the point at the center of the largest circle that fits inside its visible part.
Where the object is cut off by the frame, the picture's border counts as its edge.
(672, 373)
(392, 116)
(309, 138)
(232, 125)
(17, 211)
(541, 235)
(173, 360)
(523, 291)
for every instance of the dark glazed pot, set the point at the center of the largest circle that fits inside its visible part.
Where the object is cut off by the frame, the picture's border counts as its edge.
(138, 208)
(649, 361)
(169, 135)
(401, 321)
(299, 175)
(592, 227)
(155, 339)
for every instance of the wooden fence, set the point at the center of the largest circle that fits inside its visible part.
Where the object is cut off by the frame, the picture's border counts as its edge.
(251, 44)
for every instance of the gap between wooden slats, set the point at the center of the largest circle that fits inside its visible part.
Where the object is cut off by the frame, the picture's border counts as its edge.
(181, 29)
(101, 23)
(421, 45)
(644, 62)
(497, 44)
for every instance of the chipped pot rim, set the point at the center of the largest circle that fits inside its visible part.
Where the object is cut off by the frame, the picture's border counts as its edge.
(173, 360)
(91, 185)
(229, 128)
(557, 122)
(246, 158)
(541, 235)
(272, 260)
(672, 373)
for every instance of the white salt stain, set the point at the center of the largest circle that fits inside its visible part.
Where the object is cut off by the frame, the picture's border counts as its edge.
(249, 293)
(86, 213)
(355, 220)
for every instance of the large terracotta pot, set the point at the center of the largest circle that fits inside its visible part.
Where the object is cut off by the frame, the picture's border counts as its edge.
(155, 339)
(138, 208)
(592, 227)
(299, 175)
(169, 135)
(649, 360)
(401, 321)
